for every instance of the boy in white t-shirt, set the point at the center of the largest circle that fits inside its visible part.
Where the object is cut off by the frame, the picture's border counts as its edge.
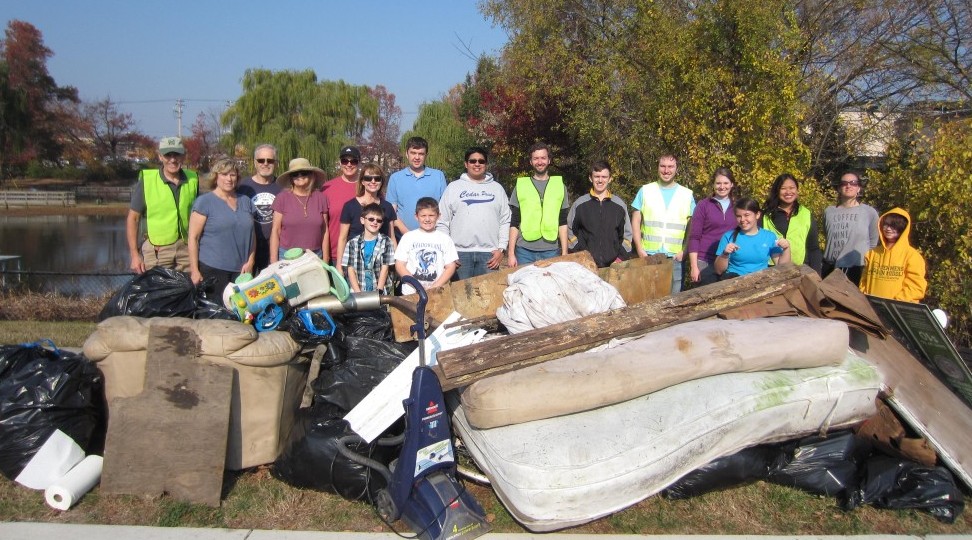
(425, 253)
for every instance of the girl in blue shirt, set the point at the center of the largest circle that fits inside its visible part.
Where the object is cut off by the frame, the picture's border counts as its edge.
(747, 248)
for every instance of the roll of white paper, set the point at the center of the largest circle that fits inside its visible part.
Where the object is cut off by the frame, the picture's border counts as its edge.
(62, 494)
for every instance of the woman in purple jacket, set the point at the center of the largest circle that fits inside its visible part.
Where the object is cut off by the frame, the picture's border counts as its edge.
(713, 216)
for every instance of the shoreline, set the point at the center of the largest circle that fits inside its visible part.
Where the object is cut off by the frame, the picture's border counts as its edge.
(90, 209)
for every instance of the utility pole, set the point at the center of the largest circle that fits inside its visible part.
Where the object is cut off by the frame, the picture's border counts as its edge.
(180, 103)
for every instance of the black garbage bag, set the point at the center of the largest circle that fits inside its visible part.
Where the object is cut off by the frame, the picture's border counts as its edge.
(42, 390)
(163, 292)
(298, 329)
(375, 324)
(743, 467)
(313, 459)
(824, 466)
(366, 362)
(890, 482)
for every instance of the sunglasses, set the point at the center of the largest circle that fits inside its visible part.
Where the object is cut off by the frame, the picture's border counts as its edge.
(348, 161)
(266, 161)
(370, 178)
(375, 220)
(476, 161)
(301, 174)
(850, 183)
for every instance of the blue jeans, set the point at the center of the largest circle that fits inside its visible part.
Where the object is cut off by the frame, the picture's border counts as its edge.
(676, 276)
(526, 256)
(473, 263)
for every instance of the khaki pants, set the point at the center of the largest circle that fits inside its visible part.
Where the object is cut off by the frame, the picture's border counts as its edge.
(174, 255)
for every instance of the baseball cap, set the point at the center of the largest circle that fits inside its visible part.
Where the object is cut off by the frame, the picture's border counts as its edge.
(350, 151)
(171, 144)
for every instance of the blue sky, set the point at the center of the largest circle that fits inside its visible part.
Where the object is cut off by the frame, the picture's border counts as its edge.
(145, 55)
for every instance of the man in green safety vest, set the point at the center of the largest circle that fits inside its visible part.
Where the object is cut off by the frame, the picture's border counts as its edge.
(164, 196)
(539, 206)
(660, 218)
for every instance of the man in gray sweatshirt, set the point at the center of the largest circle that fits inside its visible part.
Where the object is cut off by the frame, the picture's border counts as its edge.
(475, 213)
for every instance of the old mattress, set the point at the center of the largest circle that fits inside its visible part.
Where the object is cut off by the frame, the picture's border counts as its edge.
(660, 359)
(568, 470)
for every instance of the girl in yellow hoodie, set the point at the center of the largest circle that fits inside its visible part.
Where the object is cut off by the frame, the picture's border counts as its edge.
(894, 269)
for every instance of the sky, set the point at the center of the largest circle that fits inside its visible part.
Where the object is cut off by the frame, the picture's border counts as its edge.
(146, 55)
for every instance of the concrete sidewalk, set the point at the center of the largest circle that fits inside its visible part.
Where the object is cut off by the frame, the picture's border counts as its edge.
(48, 531)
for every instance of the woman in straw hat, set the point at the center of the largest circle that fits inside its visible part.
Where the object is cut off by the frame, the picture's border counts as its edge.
(300, 212)
(221, 237)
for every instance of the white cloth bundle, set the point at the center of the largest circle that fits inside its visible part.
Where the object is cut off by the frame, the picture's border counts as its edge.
(538, 297)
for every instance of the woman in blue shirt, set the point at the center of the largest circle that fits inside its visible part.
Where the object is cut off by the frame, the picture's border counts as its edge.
(747, 248)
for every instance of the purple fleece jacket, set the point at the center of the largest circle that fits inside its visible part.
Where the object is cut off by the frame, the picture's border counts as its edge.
(708, 225)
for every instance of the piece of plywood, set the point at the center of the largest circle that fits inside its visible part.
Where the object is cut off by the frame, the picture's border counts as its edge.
(922, 400)
(172, 437)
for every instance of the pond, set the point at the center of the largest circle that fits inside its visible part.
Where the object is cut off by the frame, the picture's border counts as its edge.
(73, 255)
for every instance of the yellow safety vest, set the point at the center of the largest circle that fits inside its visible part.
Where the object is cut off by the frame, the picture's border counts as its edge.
(165, 222)
(540, 218)
(798, 230)
(663, 229)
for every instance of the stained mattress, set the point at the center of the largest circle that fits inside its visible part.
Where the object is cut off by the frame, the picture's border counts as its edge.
(569, 470)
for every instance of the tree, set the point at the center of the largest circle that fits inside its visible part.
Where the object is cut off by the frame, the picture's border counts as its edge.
(13, 119)
(301, 116)
(438, 123)
(928, 174)
(203, 142)
(107, 127)
(381, 144)
(40, 137)
(629, 79)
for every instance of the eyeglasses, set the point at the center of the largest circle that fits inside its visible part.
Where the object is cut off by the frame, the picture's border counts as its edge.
(476, 161)
(375, 219)
(348, 161)
(370, 178)
(854, 183)
(266, 161)
(302, 174)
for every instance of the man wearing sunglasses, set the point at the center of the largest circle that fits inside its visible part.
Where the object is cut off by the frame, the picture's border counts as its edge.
(262, 189)
(407, 186)
(340, 190)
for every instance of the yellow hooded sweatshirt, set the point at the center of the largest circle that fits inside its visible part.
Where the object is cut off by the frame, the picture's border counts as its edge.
(897, 272)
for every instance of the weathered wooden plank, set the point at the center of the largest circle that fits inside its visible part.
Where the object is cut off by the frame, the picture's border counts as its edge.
(464, 365)
(636, 280)
(925, 402)
(172, 437)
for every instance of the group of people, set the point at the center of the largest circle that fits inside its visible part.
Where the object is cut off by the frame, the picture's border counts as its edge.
(415, 222)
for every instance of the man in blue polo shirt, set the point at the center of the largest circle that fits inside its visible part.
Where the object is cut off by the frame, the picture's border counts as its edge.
(407, 186)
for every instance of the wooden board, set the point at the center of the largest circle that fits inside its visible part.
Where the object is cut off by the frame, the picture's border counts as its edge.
(637, 280)
(922, 400)
(172, 437)
(463, 365)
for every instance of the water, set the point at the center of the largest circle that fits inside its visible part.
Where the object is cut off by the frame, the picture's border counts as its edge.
(56, 249)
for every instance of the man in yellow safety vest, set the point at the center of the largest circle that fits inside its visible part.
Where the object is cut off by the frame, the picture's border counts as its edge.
(164, 196)
(660, 218)
(539, 206)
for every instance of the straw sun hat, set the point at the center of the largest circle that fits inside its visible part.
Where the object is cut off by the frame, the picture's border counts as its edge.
(298, 165)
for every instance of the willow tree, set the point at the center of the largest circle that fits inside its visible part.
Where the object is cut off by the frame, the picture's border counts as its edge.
(709, 81)
(438, 122)
(301, 116)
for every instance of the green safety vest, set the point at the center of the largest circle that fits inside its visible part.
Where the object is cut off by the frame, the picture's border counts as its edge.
(165, 222)
(540, 218)
(798, 230)
(663, 229)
